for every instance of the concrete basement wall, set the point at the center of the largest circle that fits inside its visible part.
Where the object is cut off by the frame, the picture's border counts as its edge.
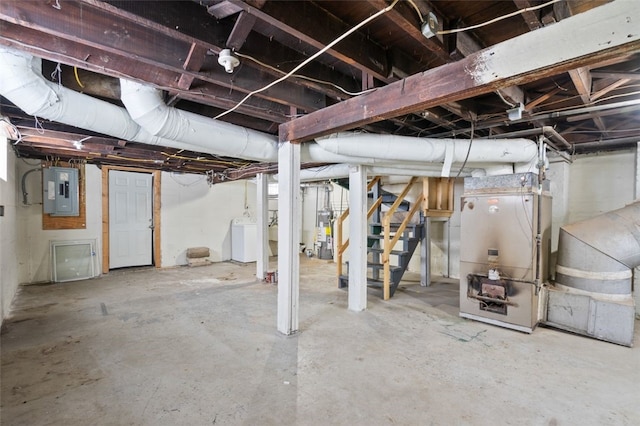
(194, 214)
(592, 185)
(8, 236)
(34, 263)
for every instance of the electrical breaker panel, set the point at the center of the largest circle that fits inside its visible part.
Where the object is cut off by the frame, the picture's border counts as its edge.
(60, 191)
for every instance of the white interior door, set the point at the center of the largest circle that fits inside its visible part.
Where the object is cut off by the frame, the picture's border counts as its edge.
(130, 219)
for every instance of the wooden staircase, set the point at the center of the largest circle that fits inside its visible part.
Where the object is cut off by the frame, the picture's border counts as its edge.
(398, 260)
(392, 242)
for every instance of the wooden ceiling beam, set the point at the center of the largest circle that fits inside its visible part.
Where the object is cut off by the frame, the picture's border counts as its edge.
(615, 75)
(530, 17)
(222, 98)
(298, 23)
(194, 62)
(411, 27)
(173, 59)
(241, 29)
(528, 57)
(581, 78)
(600, 93)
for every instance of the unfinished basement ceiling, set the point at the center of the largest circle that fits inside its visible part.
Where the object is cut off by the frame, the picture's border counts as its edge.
(175, 46)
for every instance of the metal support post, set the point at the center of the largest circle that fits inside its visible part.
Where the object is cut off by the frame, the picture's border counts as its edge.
(262, 249)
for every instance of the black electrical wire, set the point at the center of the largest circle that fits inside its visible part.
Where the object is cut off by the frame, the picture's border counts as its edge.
(468, 151)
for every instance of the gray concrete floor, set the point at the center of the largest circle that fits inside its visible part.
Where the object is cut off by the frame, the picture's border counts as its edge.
(198, 346)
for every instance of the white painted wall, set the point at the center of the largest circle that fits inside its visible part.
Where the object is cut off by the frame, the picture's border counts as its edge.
(34, 242)
(592, 185)
(600, 183)
(194, 215)
(8, 231)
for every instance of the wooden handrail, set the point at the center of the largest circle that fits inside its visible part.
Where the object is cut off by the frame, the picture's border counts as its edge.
(388, 242)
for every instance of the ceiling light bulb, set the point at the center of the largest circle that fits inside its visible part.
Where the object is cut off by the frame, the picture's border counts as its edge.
(227, 60)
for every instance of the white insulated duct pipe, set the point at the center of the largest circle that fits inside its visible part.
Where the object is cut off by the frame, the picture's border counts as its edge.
(335, 171)
(22, 84)
(147, 108)
(148, 120)
(405, 148)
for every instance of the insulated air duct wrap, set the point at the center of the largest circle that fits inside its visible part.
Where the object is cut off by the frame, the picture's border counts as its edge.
(592, 295)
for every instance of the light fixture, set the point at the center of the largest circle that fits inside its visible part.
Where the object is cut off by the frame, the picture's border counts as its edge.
(227, 60)
(78, 144)
(515, 113)
(430, 26)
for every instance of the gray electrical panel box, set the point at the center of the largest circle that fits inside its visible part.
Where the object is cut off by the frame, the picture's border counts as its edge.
(60, 191)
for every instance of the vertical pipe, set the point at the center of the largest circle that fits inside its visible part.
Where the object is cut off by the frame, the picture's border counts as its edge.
(262, 253)
(425, 254)
(448, 231)
(636, 271)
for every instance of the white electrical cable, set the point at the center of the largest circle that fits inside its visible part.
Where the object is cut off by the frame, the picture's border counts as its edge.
(417, 10)
(499, 18)
(311, 58)
(304, 77)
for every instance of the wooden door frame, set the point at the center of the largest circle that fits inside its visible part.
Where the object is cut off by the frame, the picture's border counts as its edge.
(105, 213)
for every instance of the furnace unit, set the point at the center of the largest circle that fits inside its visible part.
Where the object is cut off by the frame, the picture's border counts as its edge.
(504, 250)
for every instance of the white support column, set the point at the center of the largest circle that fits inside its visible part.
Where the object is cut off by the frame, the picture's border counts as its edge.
(262, 249)
(636, 271)
(425, 254)
(288, 237)
(357, 238)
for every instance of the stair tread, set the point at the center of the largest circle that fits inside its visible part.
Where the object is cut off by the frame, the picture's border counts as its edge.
(394, 224)
(381, 237)
(380, 266)
(396, 252)
(371, 282)
(392, 268)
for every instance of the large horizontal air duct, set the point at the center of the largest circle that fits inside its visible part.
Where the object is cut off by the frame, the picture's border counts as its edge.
(405, 148)
(22, 83)
(147, 108)
(594, 274)
(147, 119)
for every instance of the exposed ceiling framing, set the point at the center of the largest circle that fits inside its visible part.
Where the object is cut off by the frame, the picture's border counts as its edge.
(422, 85)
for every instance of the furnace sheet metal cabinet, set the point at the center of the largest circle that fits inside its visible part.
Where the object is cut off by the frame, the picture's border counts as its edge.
(499, 223)
(243, 240)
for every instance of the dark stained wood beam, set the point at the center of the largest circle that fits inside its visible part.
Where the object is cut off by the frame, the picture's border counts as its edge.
(530, 17)
(615, 75)
(407, 21)
(223, 9)
(540, 99)
(242, 28)
(194, 62)
(609, 88)
(222, 98)
(501, 65)
(164, 52)
(581, 78)
(297, 22)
